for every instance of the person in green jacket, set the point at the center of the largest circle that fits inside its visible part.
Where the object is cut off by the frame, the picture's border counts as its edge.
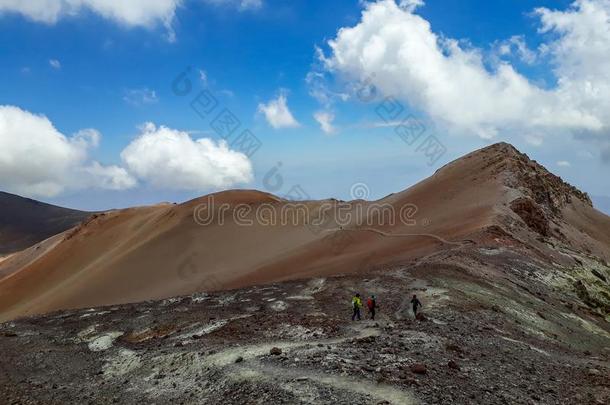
(356, 304)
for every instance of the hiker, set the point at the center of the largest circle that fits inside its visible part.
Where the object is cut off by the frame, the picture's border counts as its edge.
(416, 303)
(372, 305)
(356, 304)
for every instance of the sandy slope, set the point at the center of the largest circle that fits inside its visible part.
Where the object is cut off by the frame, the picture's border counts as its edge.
(3, 258)
(13, 263)
(156, 252)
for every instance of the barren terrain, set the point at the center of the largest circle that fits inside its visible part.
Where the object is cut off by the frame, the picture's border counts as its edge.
(180, 303)
(524, 341)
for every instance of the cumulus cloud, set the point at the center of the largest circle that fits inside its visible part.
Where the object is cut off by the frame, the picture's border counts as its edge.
(162, 157)
(564, 163)
(325, 119)
(55, 64)
(87, 138)
(128, 13)
(168, 158)
(132, 13)
(410, 5)
(141, 96)
(277, 113)
(38, 160)
(398, 51)
(320, 87)
(107, 177)
(516, 45)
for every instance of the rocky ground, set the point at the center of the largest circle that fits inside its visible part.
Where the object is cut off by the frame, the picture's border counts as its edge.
(505, 335)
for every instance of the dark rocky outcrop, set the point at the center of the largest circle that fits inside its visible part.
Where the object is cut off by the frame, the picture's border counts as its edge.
(532, 214)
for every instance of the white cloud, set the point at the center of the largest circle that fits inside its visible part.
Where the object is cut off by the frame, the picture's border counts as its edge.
(250, 4)
(452, 84)
(325, 119)
(240, 4)
(55, 64)
(391, 123)
(277, 113)
(516, 45)
(410, 5)
(109, 177)
(169, 158)
(320, 89)
(38, 160)
(564, 163)
(87, 138)
(132, 13)
(141, 96)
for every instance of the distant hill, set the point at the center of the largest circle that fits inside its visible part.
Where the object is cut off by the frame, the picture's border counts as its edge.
(25, 222)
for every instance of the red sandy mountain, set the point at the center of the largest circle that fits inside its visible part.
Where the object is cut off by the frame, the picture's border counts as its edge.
(495, 197)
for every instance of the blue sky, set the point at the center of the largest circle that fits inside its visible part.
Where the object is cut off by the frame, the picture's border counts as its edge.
(112, 71)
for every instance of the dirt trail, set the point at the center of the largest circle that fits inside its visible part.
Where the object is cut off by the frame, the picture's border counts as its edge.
(381, 392)
(227, 357)
(405, 235)
(253, 370)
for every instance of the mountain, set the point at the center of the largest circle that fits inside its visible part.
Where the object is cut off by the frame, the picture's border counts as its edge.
(495, 198)
(25, 222)
(509, 262)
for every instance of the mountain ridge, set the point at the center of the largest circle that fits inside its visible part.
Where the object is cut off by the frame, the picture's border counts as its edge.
(490, 197)
(25, 222)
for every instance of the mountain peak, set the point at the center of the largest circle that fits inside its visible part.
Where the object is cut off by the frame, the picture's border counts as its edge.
(519, 171)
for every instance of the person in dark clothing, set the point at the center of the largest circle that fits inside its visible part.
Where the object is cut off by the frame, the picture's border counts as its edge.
(416, 303)
(356, 304)
(372, 305)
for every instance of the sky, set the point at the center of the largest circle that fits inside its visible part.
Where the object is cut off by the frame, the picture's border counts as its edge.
(109, 104)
